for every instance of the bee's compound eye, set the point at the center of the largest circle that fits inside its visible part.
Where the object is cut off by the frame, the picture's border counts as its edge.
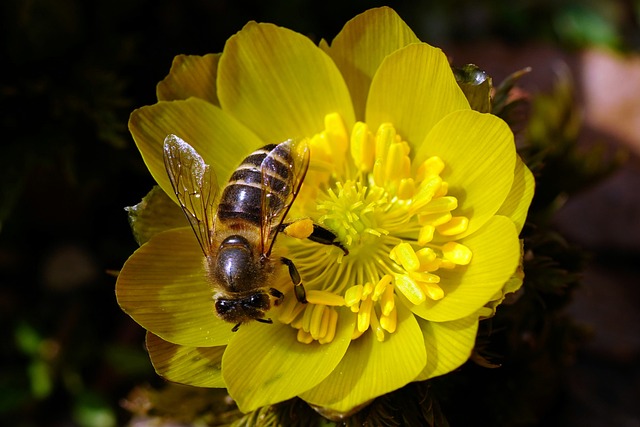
(224, 306)
(257, 300)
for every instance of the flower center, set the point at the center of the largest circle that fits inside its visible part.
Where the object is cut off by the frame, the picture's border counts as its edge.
(395, 218)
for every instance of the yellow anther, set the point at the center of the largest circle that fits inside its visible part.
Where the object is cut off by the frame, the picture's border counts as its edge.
(364, 315)
(306, 317)
(385, 136)
(426, 191)
(388, 301)
(362, 147)
(435, 219)
(297, 322)
(426, 255)
(425, 235)
(378, 172)
(382, 285)
(397, 164)
(324, 298)
(389, 321)
(375, 327)
(447, 264)
(353, 295)
(316, 321)
(337, 134)
(433, 290)
(406, 189)
(457, 253)
(442, 190)
(289, 310)
(406, 256)
(410, 289)
(324, 324)
(430, 167)
(332, 323)
(441, 204)
(300, 229)
(421, 276)
(304, 337)
(457, 225)
(367, 290)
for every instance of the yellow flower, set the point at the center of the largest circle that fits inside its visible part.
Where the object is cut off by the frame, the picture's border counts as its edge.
(427, 195)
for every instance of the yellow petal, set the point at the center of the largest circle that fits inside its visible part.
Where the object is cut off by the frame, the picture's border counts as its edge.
(413, 89)
(196, 366)
(449, 344)
(516, 205)
(265, 364)
(480, 156)
(496, 254)
(163, 286)
(361, 46)
(190, 75)
(220, 139)
(372, 368)
(279, 84)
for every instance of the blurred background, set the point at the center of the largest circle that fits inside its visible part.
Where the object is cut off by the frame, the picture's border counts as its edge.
(74, 70)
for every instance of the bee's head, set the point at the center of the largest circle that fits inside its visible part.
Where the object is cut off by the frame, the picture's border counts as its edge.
(248, 307)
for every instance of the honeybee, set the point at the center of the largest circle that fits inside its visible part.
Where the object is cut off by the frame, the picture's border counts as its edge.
(238, 236)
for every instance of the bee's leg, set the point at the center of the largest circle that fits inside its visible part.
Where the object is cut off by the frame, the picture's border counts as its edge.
(307, 229)
(298, 288)
(277, 294)
(326, 237)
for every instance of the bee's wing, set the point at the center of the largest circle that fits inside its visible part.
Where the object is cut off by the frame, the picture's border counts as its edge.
(194, 183)
(283, 171)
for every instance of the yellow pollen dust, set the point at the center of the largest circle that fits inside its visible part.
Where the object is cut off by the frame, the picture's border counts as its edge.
(397, 221)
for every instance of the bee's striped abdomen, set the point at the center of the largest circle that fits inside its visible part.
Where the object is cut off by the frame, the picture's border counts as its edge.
(242, 197)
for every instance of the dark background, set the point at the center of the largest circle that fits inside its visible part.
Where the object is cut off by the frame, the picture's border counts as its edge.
(74, 70)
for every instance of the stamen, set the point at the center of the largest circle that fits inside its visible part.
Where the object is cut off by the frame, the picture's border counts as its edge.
(324, 298)
(425, 235)
(362, 147)
(457, 253)
(332, 324)
(316, 320)
(388, 302)
(289, 310)
(389, 321)
(382, 286)
(353, 296)
(375, 326)
(439, 205)
(364, 315)
(457, 225)
(386, 212)
(410, 289)
(433, 290)
(405, 255)
(433, 166)
(304, 337)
